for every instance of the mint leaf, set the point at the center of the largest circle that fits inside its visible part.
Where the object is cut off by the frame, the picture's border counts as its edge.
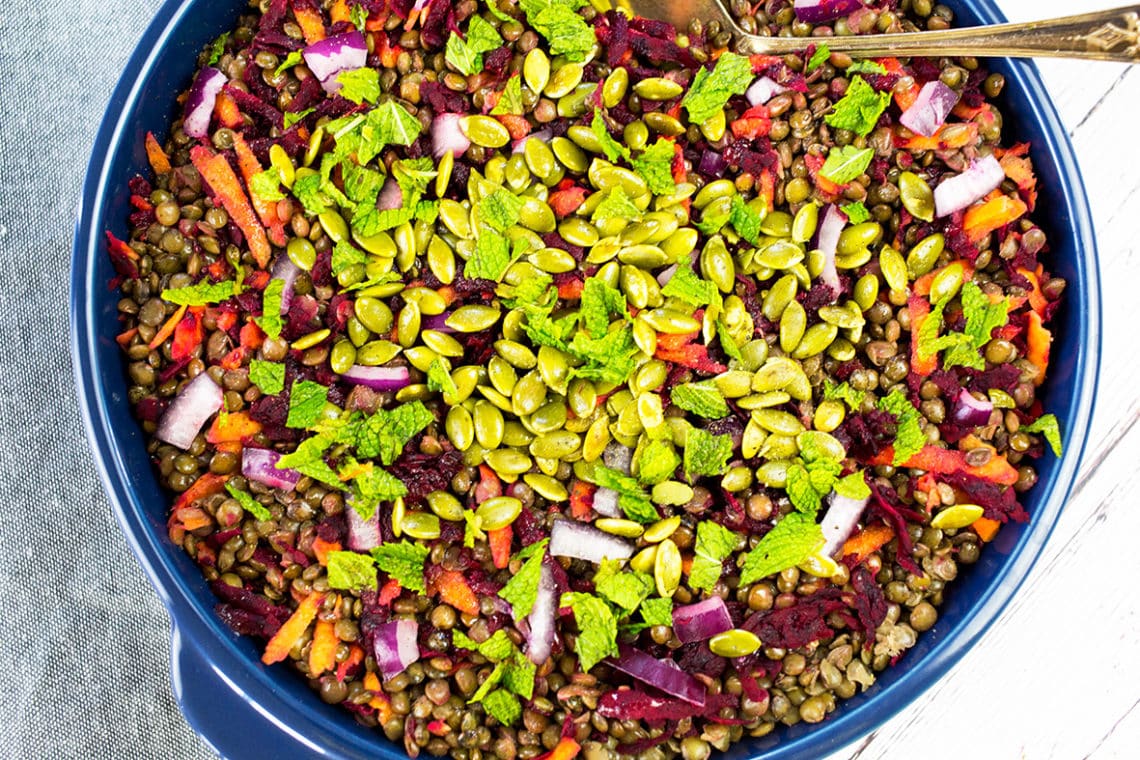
(800, 490)
(706, 454)
(292, 117)
(491, 257)
(858, 110)
(610, 359)
(633, 499)
(202, 294)
(856, 212)
(599, 302)
(565, 31)
(266, 185)
(496, 648)
(439, 378)
(616, 205)
(710, 91)
(306, 403)
(655, 166)
(307, 189)
(503, 707)
(909, 439)
(686, 285)
(715, 541)
(866, 66)
(794, 539)
(611, 147)
(700, 398)
(597, 628)
(657, 611)
(358, 15)
(350, 571)
(218, 49)
(1047, 426)
(845, 393)
(745, 220)
(626, 590)
(403, 562)
(511, 99)
(360, 85)
(308, 459)
(386, 433)
(846, 164)
(522, 589)
(853, 486)
(727, 342)
(290, 61)
(248, 503)
(500, 209)
(389, 124)
(346, 256)
(372, 486)
(657, 462)
(818, 58)
(269, 377)
(271, 320)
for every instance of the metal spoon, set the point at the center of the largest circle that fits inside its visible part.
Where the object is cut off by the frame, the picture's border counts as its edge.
(1112, 35)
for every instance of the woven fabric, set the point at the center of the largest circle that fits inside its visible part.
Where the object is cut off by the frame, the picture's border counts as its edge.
(84, 654)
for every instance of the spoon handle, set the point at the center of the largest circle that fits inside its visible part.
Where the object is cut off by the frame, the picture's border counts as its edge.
(1112, 35)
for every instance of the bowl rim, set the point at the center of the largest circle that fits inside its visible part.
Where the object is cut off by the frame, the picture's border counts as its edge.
(197, 626)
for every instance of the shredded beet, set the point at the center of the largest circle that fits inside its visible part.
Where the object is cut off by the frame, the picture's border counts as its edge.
(697, 658)
(870, 605)
(424, 473)
(800, 624)
(892, 514)
(1000, 502)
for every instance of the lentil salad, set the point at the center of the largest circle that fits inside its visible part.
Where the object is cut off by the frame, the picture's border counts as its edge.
(274, 583)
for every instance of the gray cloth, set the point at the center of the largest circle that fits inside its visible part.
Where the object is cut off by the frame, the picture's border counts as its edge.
(84, 652)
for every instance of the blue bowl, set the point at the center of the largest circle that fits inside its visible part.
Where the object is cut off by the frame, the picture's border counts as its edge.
(244, 709)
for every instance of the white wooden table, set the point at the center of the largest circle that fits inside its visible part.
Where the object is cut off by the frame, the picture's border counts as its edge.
(1058, 676)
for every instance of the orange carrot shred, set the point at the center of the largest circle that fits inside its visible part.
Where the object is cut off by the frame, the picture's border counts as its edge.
(156, 155)
(322, 651)
(188, 334)
(205, 486)
(566, 749)
(454, 590)
(983, 219)
(311, 23)
(227, 188)
(350, 663)
(867, 541)
(1038, 339)
(321, 549)
(500, 541)
(266, 209)
(292, 629)
(986, 528)
(227, 112)
(233, 427)
(167, 328)
(581, 499)
(124, 338)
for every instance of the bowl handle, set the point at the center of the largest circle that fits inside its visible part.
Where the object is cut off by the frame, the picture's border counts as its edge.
(229, 721)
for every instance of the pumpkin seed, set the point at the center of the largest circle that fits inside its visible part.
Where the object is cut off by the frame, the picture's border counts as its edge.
(924, 255)
(445, 506)
(508, 461)
(459, 427)
(498, 512)
(894, 268)
(805, 223)
(957, 516)
(473, 318)
(735, 643)
(546, 486)
(667, 568)
(619, 527)
(793, 324)
(916, 196)
(422, 525)
(644, 560)
(377, 352)
(488, 424)
(485, 131)
(672, 493)
(657, 88)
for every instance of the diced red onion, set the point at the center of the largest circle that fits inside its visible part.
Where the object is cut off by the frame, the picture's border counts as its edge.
(396, 646)
(541, 619)
(664, 675)
(666, 274)
(261, 465)
(363, 535)
(606, 503)
(438, 322)
(956, 193)
(543, 135)
(839, 521)
(834, 220)
(701, 621)
(934, 102)
(618, 457)
(332, 55)
(285, 270)
(391, 196)
(197, 402)
(200, 102)
(763, 90)
(379, 378)
(712, 164)
(815, 11)
(970, 411)
(447, 136)
(569, 538)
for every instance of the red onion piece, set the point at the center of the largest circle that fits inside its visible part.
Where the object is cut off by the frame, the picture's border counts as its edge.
(815, 11)
(438, 322)
(618, 457)
(261, 465)
(934, 102)
(391, 196)
(701, 621)
(834, 220)
(606, 503)
(666, 274)
(970, 411)
(446, 136)
(544, 135)
(285, 270)
(541, 619)
(956, 193)
(712, 164)
(200, 102)
(665, 675)
(839, 521)
(396, 646)
(569, 538)
(363, 535)
(379, 378)
(332, 55)
(197, 402)
(763, 90)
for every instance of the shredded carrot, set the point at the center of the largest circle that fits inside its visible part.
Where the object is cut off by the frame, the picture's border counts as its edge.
(566, 749)
(191, 518)
(379, 700)
(766, 189)
(582, 499)
(350, 663)
(571, 290)
(156, 155)
(188, 334)
(517, 126)
(814, 163)
(1038, 339)
(760, 62)
(339, 12)
(454, 590)
(227, 112)
(753, 123)
(566, 201)
(962, 136)
(905, 98)
(967, 113)
(867, 541)
(389, 592)
(322, 651)
(983, 219)
(228, 428)
(1037, 300)
(986, 528)
(266, 209)
(919, 310)
(500, 540)
(251, 336)
(321, 549)
(229, 447)
(205, 486)
(942, 461)
(167, 328)
(234, 359)
(292, 629)
(310, 21)
(124, 338)
(389, 53)
(227, 188)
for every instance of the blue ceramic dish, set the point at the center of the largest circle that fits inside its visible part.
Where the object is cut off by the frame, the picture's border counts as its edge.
(244, 709)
